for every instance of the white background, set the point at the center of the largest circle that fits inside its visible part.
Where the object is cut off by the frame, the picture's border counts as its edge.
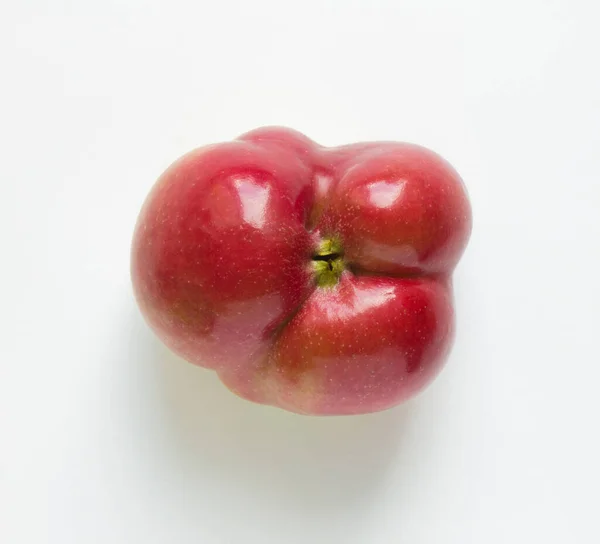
(107, 438)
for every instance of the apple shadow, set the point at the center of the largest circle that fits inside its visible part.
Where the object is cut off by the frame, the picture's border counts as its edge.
(315, 467)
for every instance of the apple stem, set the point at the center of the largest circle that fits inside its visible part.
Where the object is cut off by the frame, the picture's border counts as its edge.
(328, 263)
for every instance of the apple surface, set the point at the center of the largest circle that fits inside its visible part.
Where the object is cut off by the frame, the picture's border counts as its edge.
(311, 278)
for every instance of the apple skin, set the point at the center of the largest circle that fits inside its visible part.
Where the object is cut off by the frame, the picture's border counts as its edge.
(310, 278)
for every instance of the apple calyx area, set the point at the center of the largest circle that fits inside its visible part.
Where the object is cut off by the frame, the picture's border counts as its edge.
(328, 262)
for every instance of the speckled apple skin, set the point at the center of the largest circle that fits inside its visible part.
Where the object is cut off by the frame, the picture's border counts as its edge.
(223, 268)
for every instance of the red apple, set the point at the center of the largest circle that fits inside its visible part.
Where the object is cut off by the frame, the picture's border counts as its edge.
(311, 278)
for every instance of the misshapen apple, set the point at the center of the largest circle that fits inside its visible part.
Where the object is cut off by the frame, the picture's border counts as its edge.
(311, 278)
